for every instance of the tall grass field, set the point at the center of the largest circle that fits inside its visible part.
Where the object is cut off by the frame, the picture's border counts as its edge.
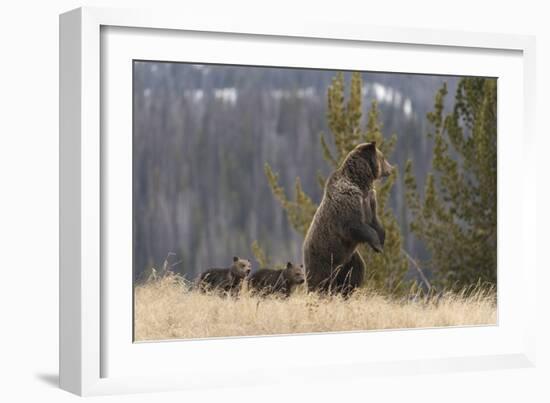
(169, 308)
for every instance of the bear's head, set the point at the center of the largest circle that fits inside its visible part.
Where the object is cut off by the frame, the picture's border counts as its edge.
(294, 274)
(241, 267)
(365, 163)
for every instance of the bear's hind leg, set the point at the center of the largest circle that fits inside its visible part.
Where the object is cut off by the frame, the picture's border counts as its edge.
(350, 276)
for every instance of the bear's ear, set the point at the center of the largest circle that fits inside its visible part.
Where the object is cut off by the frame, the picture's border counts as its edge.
(235, 258)
(369, 147)
(288, 265)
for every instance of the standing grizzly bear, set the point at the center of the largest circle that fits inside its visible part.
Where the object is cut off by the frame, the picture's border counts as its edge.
(345, 218)
(269, 281)
(228, 280)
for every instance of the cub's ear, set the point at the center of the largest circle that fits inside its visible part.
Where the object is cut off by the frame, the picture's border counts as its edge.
(235, 258)
(372, 144)
(288, 265)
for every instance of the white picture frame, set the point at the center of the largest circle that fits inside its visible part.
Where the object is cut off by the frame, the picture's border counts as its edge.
(96, 355)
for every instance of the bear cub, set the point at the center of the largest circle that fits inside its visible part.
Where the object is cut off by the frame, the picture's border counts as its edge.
(279, 282)
(227, 280)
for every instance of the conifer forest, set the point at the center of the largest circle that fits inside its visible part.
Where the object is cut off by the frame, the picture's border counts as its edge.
(231, 161)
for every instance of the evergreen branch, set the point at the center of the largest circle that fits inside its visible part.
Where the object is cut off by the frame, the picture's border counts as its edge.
(327, 154)
(259, 254)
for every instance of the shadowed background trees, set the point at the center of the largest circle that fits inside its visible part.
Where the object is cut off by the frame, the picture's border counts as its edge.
(457, 219)
(203, 135)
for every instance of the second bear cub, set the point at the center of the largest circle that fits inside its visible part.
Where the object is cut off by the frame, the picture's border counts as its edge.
(268, 281)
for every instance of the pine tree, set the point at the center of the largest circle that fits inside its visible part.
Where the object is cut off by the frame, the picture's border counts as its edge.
(457, 217)
(260, 255)
(385, 271)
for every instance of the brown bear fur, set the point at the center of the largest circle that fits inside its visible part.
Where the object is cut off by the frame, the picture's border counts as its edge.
(282, 282)
(370, 211)
(345, 218)
(227, 280)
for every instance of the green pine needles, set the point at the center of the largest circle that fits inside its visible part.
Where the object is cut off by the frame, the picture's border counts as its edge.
(457, 218)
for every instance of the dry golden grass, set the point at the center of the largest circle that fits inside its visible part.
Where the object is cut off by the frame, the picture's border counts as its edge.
(168, 308)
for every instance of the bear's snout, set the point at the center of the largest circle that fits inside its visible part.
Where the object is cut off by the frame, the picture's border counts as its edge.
(299, 278)
(387, 169)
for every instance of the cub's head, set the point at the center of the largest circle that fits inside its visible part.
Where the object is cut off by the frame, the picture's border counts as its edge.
(366, 163)
(294, 274)
(241, 267)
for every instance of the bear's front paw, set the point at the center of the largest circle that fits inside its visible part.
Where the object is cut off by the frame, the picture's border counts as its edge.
(378, 248)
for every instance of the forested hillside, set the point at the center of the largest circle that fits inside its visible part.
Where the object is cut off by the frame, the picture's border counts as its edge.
(202, 135)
